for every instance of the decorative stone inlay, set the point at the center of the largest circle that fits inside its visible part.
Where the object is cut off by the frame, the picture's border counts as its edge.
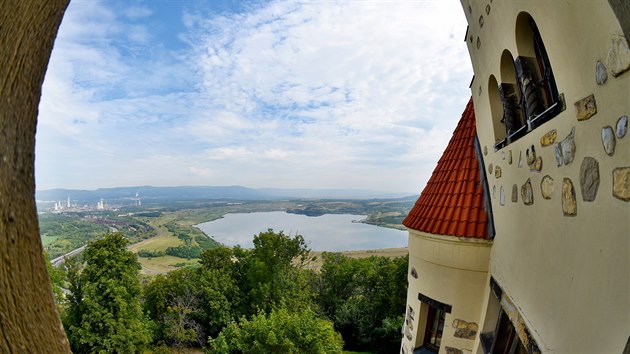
(621, 183)
(497, 172)
(464, 329)
(549, 138)
(494, 192)
(608, 140)
(559, 159)
(488, 9)
(569, 204)
(601, 74)
(481, 21)
(414, 273)
(490, 168)
(478, 42)
(485, 150)
(563, 102)
(451, 350)
(527, 193)
(510, 156)
(501, 196)
(520, 159)
(409, 323)
(565, 150)
(546, 187)
(589, 179)
(622, 127)
(586, 108)
(537, 165)
(502, 155)
(618, 55)
(512, 311)
(515, 194)
(531, 155)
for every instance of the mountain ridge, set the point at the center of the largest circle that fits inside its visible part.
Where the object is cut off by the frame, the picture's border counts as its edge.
(210, 192)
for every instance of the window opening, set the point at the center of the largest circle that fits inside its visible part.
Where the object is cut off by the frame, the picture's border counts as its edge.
(506, 340)
(512, 117)
(533, 99)
(501, 336)
(435, 317)
(496, 109)
(435, 327)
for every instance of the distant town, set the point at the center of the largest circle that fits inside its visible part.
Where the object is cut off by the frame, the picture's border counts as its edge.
(70, 205)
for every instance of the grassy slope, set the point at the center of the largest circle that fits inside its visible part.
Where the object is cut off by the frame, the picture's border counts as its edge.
(183, 219)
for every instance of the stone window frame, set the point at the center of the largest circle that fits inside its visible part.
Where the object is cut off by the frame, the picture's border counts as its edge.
(536, 95)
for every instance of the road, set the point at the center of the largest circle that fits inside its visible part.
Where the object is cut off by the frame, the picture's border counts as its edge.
(59, 260)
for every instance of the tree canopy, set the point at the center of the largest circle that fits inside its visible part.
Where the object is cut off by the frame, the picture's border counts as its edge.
(281, 331)
(104, 312)
(236, 300)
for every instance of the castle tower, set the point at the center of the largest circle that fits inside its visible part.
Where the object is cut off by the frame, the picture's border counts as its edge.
(551, 92)
(449, 249)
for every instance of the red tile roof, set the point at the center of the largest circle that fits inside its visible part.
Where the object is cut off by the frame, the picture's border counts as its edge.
(452, 202)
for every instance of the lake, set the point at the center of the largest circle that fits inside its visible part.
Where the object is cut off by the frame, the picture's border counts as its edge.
(329, 232)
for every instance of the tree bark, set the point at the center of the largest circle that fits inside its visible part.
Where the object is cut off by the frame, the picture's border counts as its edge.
(29, 322)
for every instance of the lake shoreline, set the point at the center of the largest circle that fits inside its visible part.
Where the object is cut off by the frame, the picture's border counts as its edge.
(381, 252)
(328, 232)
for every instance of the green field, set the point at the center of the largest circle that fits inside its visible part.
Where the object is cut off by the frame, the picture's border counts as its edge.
(47, 240)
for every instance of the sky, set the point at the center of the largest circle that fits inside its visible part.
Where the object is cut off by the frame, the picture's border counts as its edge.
(285, 94)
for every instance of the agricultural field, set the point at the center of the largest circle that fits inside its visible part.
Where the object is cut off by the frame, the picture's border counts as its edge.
(165, 237)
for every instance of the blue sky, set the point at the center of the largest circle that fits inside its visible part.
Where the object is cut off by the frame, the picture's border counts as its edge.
(318, 94)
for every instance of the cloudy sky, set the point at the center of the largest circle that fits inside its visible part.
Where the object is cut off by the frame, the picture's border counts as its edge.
(317, 94)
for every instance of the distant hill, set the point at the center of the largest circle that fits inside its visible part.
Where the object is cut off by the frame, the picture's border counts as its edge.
(207, 192)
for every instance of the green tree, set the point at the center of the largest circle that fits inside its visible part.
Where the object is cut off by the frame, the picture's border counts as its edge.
(57, 278)
(365, 298)
(171, 301)
(272, 270)
(188, 305)
(220, 258)
(282, 331)
(104, 311)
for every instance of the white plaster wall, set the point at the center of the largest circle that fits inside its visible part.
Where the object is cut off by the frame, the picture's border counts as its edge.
(452, 271)
(569, 276)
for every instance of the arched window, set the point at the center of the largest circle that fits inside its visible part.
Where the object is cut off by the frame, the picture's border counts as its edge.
(510, 93)
(528, 93)
(496, 109)
(539, 95)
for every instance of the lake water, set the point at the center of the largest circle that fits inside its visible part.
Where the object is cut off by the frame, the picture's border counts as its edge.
(329, 232)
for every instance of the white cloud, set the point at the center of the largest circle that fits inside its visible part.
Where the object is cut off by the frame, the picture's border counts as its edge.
(137, 12)
(316, 94)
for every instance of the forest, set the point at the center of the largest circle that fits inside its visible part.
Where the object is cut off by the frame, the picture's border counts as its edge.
(260, 300)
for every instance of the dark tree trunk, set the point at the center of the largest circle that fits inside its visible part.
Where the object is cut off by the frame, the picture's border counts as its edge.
(28, 317)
